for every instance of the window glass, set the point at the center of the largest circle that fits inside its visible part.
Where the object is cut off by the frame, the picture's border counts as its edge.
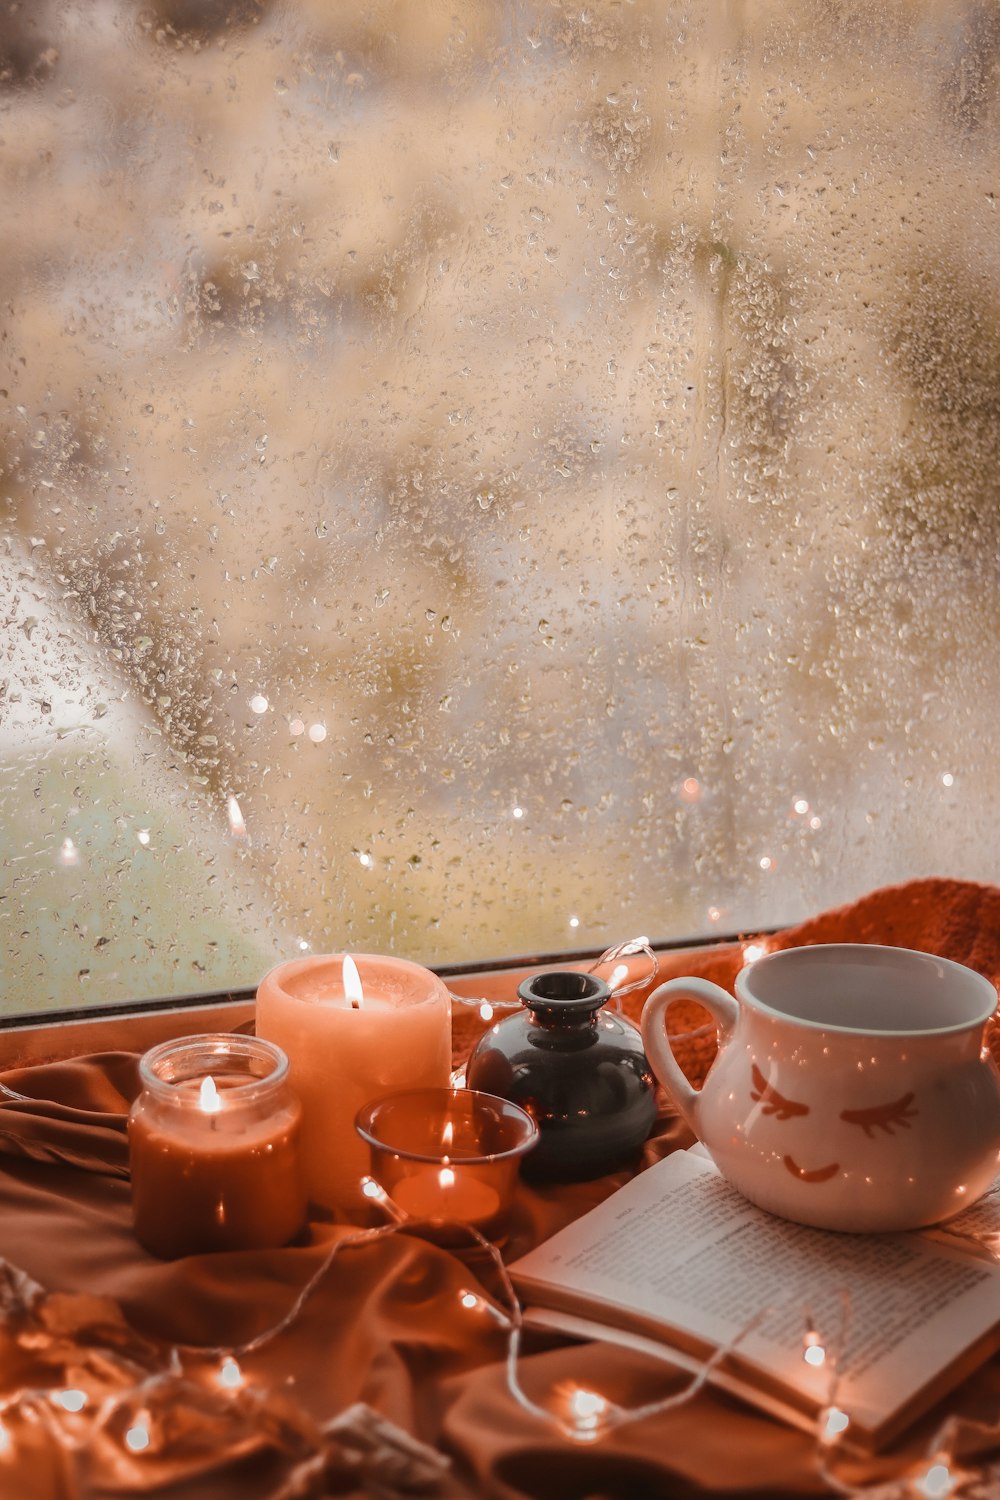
(488, 478)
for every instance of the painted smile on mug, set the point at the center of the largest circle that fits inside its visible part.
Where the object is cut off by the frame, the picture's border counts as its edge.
(887, 1118)
(818, 1174)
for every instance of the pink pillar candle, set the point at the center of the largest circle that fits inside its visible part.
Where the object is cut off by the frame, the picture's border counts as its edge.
(342, 1055)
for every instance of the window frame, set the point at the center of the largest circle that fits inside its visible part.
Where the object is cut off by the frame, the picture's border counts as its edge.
(55, 1035)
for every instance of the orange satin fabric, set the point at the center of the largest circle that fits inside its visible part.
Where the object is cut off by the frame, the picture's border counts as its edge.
(387, 1325)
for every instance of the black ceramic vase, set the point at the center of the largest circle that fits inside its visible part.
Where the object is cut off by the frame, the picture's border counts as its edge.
(580, 1071)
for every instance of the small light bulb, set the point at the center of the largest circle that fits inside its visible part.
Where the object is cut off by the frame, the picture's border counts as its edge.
(585, 1404)
(814, 1354)
(70, 1400)
(836, 1422)
(469, 1299)
(230, 1375)
(237, 823)
(574, 921)
(137, 1437)
(372, 1189)
(68, 853)
(486, 1011)
(618, 976)
(753, 951)
(937, 1483)
(6, 1442)
(587, 1411)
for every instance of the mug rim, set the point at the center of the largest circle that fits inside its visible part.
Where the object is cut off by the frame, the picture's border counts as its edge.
(967, 974)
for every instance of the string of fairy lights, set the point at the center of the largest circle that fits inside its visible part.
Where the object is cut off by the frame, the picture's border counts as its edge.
(616, 980)
(132, 1409)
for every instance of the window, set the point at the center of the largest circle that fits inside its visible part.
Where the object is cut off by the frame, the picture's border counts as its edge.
(488, 478)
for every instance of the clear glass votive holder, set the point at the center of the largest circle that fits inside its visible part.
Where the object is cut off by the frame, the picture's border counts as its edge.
(214, 1147)
(448, 1157)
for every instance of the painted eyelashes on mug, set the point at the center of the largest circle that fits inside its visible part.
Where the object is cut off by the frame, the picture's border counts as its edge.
(879, 1117)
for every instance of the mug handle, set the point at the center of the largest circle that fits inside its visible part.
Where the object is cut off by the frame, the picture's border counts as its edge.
(656, 1039)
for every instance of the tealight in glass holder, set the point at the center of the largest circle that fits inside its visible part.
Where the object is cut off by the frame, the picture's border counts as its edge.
(213, 1147)
(448, 1157)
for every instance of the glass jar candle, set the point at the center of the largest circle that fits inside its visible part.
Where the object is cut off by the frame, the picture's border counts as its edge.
(213, 1147)
(448, 1157)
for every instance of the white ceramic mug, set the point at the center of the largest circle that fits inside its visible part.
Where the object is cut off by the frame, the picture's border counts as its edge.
(851, 1090)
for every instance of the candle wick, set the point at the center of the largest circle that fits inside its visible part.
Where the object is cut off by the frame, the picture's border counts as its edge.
(355, 1005)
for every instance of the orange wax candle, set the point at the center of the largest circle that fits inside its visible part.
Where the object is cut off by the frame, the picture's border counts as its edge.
(447, 1193)
(387, 1026)
(213, 1148)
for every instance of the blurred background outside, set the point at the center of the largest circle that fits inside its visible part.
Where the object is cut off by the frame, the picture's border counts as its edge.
(484, 477)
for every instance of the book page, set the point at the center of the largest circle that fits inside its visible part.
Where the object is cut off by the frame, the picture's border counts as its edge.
(683, 1249)
(980, 1222)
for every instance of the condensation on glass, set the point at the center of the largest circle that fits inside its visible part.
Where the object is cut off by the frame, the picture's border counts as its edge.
(488, 478)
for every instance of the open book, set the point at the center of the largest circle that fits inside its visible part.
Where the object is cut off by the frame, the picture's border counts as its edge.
(677, 1263)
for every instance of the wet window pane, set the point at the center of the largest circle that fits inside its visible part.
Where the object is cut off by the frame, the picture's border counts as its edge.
(488, 478)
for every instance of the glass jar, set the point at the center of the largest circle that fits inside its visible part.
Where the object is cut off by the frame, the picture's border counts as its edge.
(213, 1147)
(580, 1071)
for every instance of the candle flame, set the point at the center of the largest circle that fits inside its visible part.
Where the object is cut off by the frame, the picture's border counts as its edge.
(447, 1135)
(208, 1096)
(352, 983)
